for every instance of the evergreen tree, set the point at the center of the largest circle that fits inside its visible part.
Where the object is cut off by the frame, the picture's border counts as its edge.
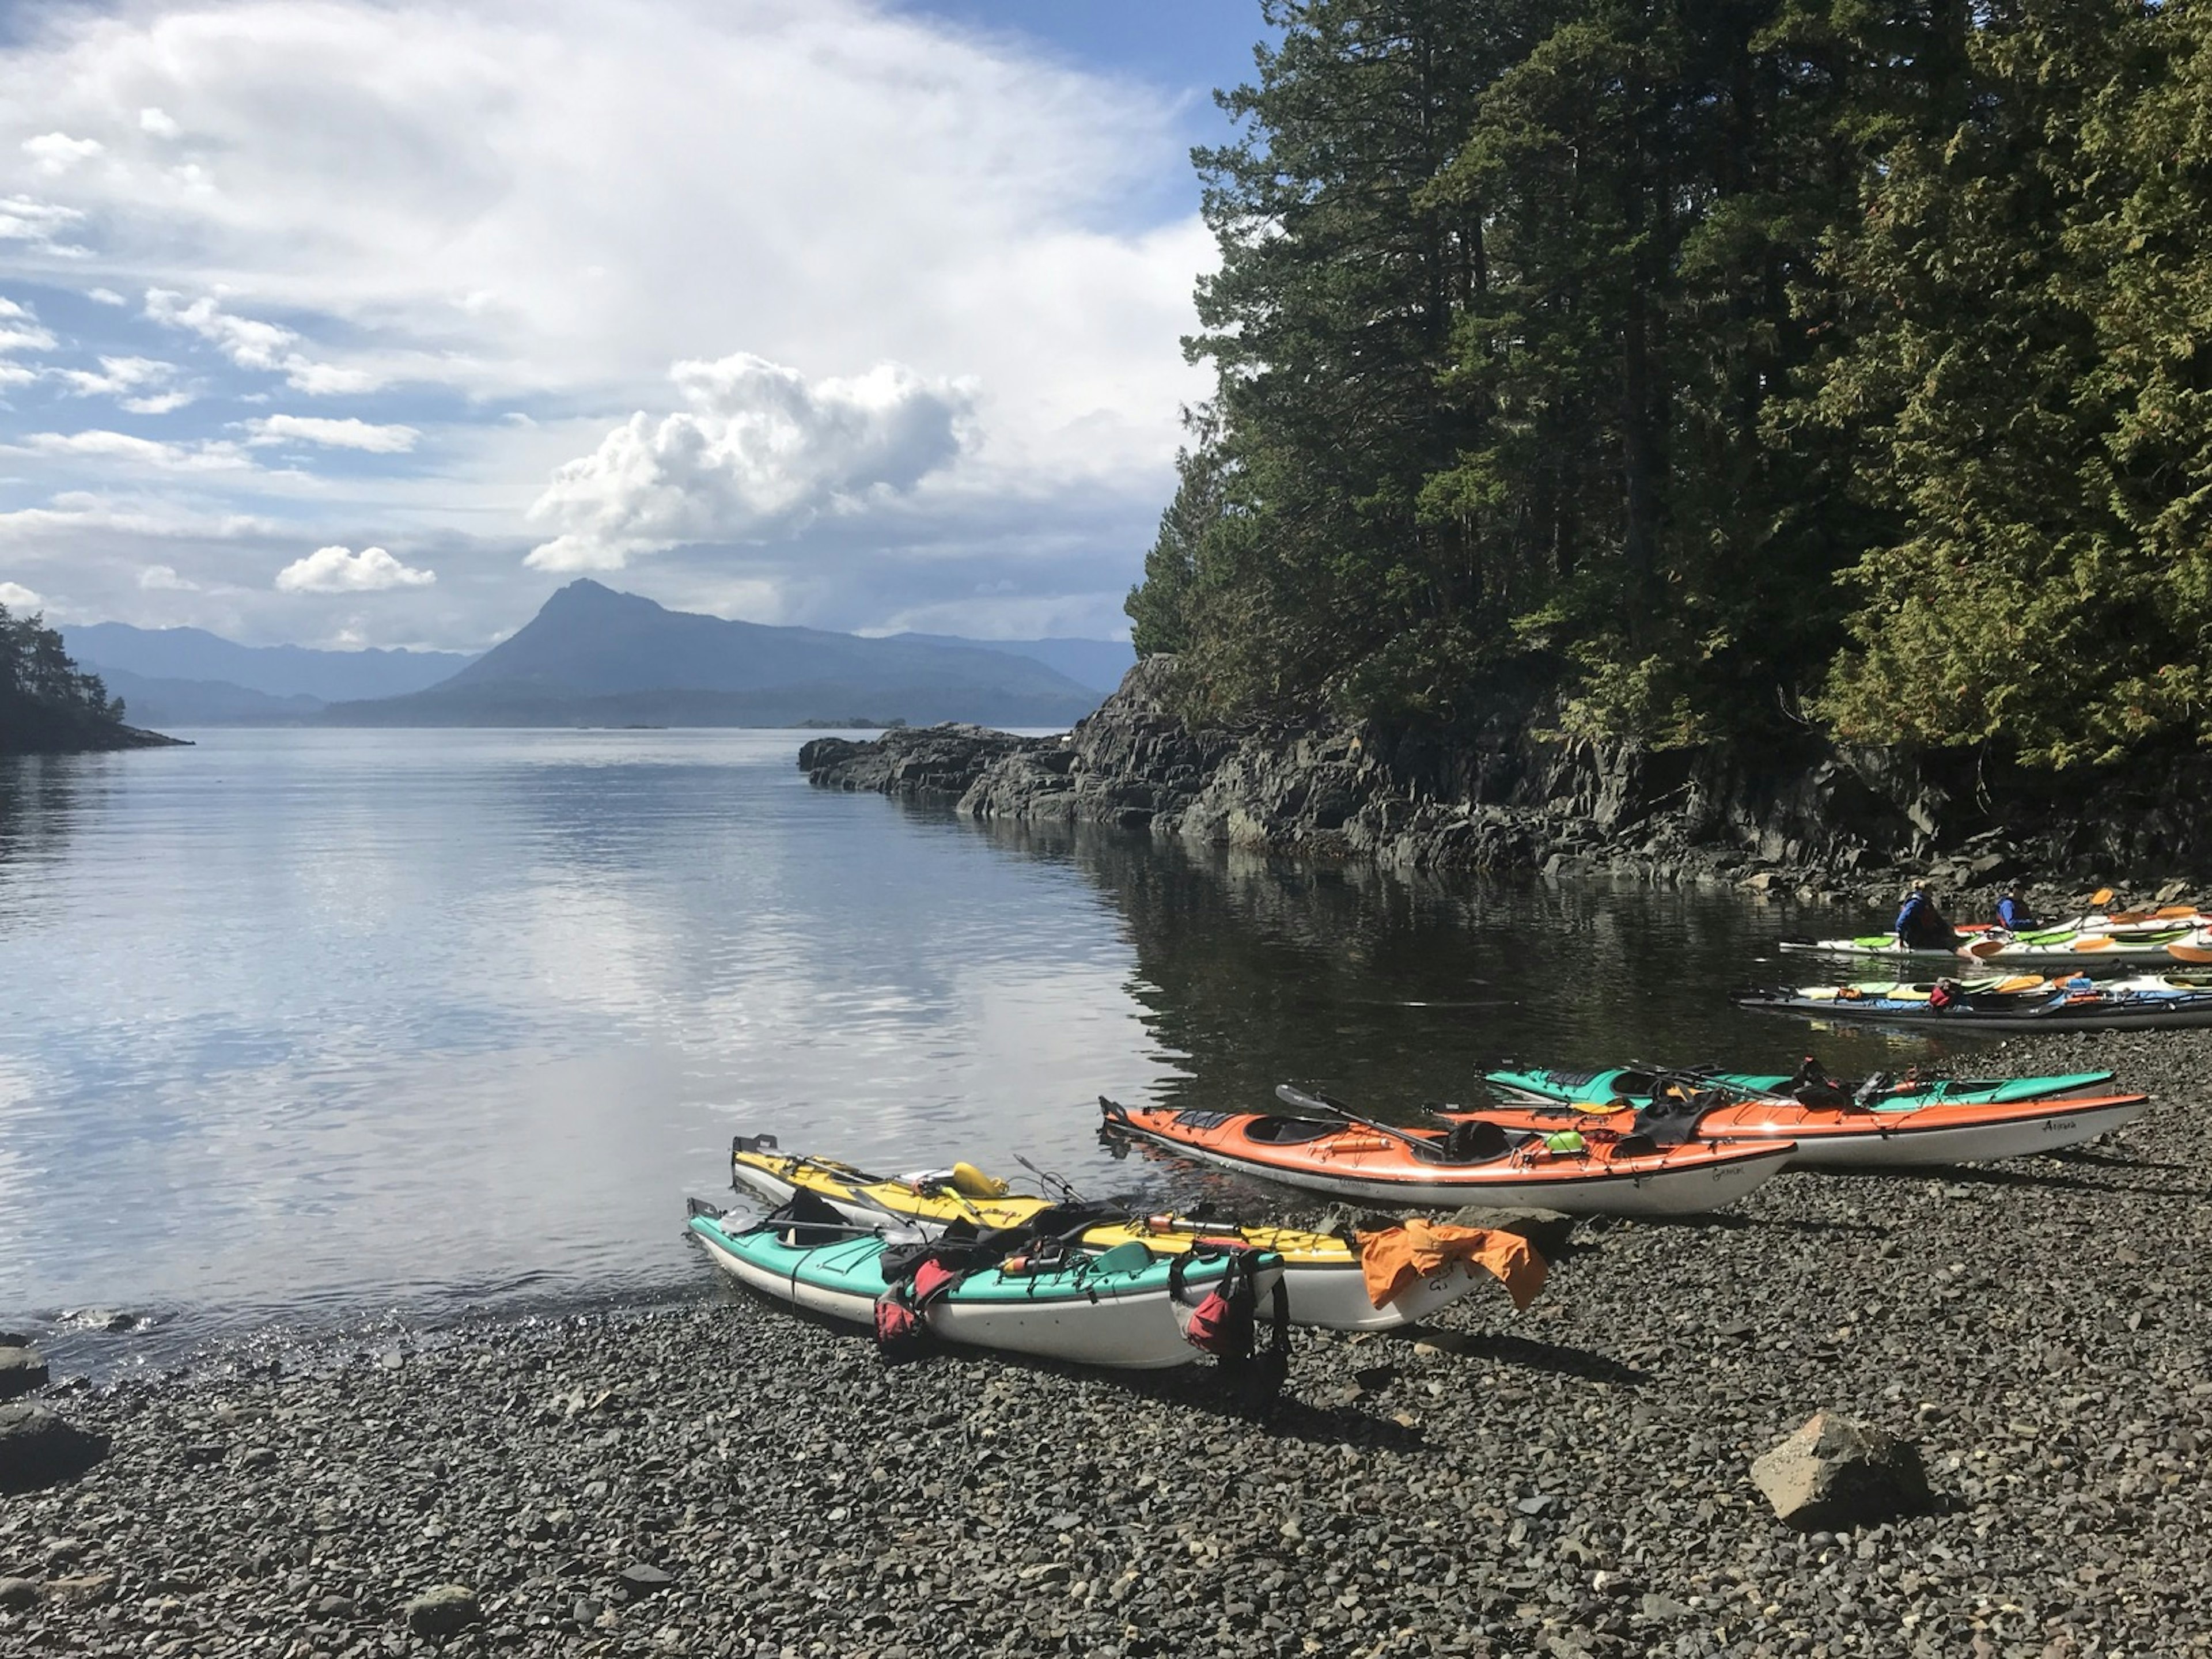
(1701, 362)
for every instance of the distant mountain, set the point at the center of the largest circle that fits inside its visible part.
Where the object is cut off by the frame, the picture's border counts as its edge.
(595, 657)
(1099, 664)
(276, 670)
(166, 703)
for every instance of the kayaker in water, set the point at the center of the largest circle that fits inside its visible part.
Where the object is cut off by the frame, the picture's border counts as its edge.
(1921, 925)
(2013, 914)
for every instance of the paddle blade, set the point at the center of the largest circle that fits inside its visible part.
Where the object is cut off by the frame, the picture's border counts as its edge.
(2190, 953)
(1983, 948)
(1301, 1100)
(2101, 898)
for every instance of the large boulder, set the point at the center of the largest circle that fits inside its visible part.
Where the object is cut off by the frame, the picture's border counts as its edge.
(1834, 1473)
(38, 1449)
(22, 1370)
(443, 1610)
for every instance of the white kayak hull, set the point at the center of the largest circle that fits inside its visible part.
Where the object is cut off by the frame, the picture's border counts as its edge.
(1896, 1144)
(1138, 1329)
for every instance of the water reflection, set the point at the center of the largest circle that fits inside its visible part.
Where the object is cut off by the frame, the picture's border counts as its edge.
(301, 1026)
(1394, 990)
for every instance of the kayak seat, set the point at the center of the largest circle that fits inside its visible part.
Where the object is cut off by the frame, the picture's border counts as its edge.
(1569, 1081)
(1473, 1140)
(1129, 1256)
(1288, 1131)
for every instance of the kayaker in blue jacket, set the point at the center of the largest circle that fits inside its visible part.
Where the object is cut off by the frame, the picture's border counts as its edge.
(1921, 925)
(2013, 914)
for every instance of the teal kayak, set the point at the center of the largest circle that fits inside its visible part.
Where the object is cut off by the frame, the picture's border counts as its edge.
(1636, 1083)
(1126, 1308)
(2155, 945)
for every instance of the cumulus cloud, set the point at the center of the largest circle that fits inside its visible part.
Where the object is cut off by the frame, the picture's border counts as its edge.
(214, 456)
(347, 433)
(39, 224)
(158, 122)
(20, 330)
(542, 206)
(253, 343)
(762, 451)
(164, 579)
(245, 342)
(144, 385)
(341, 570)
(55, 153)
(16, 596)
(106, 296)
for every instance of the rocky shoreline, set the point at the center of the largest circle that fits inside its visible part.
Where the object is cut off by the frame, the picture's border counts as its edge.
(1820, 824)
(84, 737)
(724, 1478)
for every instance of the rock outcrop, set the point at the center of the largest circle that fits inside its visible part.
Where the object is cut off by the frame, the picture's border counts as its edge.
(38, 1449)
(1811, 817)
(22, 1368)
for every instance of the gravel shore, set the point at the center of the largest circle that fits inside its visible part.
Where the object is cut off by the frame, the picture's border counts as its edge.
(724, 1478)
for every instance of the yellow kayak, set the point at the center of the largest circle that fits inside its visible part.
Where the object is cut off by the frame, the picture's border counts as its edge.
(1331, 1280)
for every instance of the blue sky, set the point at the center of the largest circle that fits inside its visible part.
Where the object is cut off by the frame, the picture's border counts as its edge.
(353, 322)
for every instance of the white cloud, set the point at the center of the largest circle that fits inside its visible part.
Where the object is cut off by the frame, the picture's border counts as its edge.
(252, 344)
(164, 579)
(158, 122)
(16, 596)
(760, 453)
(20, 330)
(542, 206)
(328, 380)
(341, 570)
(212, 456)
(159, 403)
(248, 343)
(106, 296)
(56, 153)
(16, 375)
(64, 522)
(348, 433)
(24, 219)
(141, 383)
(118, 375)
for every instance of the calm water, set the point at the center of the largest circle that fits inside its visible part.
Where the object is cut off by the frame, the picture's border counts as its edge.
(310, 1028)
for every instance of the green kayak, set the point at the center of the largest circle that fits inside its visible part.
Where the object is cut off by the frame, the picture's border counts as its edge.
(1126, 1308)
(1635, 1084)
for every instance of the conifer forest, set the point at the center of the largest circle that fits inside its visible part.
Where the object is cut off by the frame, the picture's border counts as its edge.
(1706, 373)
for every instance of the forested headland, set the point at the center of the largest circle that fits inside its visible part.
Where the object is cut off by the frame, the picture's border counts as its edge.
(47, 705)
(1714, 373)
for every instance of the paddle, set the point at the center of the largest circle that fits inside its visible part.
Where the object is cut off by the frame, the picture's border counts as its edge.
(2190, 953)
(1307, 1102)
(1066, 1187)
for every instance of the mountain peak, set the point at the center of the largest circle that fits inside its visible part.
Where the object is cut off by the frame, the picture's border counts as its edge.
(585, 590)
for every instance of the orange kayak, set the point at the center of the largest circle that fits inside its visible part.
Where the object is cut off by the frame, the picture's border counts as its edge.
(1844, 1136)
(1582, 1172)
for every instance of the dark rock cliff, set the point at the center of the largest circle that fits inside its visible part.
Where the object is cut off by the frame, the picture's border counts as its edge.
(1818, 816)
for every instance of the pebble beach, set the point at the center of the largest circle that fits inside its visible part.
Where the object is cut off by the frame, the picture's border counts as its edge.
(722, 1476)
